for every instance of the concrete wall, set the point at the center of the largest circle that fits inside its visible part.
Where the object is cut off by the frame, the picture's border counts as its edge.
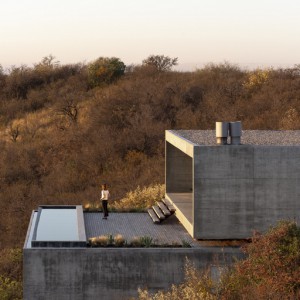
(111, 273)
(242, 188)
(277, 184)
(179, 171)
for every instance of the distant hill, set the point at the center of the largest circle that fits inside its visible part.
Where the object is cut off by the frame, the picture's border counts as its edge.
(62, 136)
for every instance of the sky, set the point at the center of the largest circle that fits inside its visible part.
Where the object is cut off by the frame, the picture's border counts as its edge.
(249, 33)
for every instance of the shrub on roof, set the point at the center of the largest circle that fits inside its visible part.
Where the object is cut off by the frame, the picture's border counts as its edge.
(141, 198)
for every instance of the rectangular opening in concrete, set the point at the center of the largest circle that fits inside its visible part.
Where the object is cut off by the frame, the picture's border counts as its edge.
(179, 184)
(184, 203)
(58, 226)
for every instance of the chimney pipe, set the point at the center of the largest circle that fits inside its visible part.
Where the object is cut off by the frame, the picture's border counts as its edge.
(222, 132)
(235, 132)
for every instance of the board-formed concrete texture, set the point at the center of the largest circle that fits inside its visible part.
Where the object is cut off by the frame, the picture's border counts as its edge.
(235, 188)
(112, 273)
(54, 272)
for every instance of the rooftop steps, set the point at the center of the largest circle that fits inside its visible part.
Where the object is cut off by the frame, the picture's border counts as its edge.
(169, 205)
(163, 208)
(153, 216)
(161, 211)
(158, 211)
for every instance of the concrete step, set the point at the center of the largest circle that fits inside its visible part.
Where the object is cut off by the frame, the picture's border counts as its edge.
(169, 205)
(164, 209)
(158, 212)
(153, 216)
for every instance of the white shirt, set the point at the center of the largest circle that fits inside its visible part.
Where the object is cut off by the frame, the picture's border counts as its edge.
(104, 195)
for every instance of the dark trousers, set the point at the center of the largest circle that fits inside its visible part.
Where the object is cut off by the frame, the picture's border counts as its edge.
(104, 206)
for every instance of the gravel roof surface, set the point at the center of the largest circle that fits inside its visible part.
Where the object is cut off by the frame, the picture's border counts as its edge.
(249, 137)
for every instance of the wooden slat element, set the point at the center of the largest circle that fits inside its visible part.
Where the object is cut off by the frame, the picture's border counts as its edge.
(153, 216)
(158, 212)
(168, 204)
(164, 209)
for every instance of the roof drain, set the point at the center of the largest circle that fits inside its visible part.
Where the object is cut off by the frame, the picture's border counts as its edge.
(235, 132)
(222, 132)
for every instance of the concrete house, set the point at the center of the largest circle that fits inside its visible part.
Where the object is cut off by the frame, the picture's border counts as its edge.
(222, 184)
(225, 191)
(58, 264)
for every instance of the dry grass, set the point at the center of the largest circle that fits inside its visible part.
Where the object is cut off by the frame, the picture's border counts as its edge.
(119, 240)
(101, 241)
(141, 198)
(223, 243)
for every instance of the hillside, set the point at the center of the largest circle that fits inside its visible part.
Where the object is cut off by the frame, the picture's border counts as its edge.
(65, 129)
(61, 136)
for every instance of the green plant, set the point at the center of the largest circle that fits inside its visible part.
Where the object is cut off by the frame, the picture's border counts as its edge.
(105, 70)
(271, 269)
(185, 244)
(10, 289)
(146, 241)
(256, 79)
(110, 239)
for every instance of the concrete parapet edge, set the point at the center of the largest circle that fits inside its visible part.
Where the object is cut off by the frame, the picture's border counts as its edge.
(112, 273)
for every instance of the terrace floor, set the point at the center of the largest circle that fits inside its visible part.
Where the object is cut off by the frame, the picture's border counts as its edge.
(184, 203)
(131, 225)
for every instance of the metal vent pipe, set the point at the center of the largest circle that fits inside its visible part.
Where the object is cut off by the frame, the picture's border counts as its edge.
(222, 132)
(235, 132)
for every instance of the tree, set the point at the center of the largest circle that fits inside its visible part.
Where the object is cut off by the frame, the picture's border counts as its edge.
(18, 82)
(105, 70)
(69, 110)
(271, 269)
(47, 61)
(160, 62)
(14, 132)
(2, 78)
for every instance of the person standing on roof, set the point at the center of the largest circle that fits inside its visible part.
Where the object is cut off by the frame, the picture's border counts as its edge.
(104, 198)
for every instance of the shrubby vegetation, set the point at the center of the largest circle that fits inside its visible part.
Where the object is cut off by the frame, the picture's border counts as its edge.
(65, 129)
(160, 62)
(10, 289)
(105, 70)
(137, 241)
(10, 274)
(270, 271)
(141, 198)
(138, 200)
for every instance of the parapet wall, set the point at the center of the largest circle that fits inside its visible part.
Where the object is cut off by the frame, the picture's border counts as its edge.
(112, 273)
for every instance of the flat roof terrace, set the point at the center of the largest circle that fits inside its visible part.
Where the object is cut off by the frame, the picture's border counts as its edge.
(131, 225)
(249, 137)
